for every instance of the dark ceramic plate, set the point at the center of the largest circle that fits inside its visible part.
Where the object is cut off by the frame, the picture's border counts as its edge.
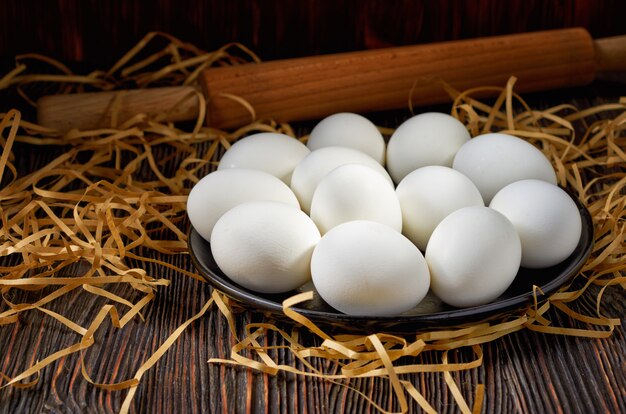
(431, 313)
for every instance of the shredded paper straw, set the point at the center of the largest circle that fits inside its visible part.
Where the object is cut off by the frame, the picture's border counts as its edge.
(93, 206)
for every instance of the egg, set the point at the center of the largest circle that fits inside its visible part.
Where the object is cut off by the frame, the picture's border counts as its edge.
(310, 171)
(274, 153)
(348, 130)
(429, 194)
(473, 256)
(265, 246)
(427, 139)
(366, 268)
(355, 192)
(546, 218)
(219, 191)
(493, 161)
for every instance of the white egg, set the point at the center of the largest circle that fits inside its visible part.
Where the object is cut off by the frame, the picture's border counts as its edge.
(265, 246)
(310, 171)
(473, 255)
(429, 194)
(546, 218)
(427, 139)
(274, 153)
(348, 130)
(355, 192)
(218, 192)
(368, 269)
(493, 161)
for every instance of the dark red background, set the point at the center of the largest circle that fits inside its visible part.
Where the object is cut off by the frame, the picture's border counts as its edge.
(99, 32)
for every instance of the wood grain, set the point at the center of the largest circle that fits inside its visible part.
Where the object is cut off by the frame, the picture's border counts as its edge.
(524, 372)
(93, 110)
(317, 86)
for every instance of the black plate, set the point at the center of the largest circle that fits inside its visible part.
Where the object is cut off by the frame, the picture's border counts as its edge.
(431, 313)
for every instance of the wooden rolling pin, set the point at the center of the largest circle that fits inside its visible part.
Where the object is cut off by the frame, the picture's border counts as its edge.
(373, 80)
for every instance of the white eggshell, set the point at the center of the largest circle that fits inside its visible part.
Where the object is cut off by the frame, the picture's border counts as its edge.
(427, 139)
(473, 255)
(427, 195)
(348, 130)
(368, 269)
(493, 161)
(546, 218)
(222, 190)
(355, 192)
(310, 171)
(276, 154)
(265, 246)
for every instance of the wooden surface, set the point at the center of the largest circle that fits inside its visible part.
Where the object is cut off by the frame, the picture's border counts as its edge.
(317, 86)
(314, 87)
(524, 372)
(85, 111)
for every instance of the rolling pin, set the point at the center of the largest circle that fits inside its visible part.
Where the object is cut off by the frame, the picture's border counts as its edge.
(365, 81)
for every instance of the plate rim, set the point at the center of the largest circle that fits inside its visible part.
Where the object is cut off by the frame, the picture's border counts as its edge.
(251, 299)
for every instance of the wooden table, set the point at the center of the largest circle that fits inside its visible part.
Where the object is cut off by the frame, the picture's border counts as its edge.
(523, 372)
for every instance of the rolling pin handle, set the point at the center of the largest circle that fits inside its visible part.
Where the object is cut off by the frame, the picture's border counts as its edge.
(610, 54)
(94, 110)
